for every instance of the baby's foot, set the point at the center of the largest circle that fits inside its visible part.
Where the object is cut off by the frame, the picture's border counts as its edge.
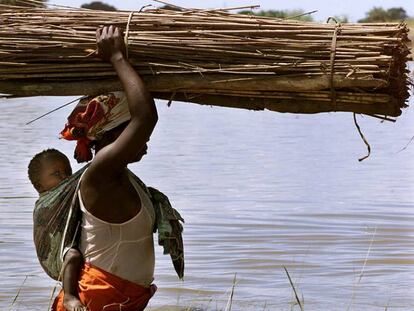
(72, 303)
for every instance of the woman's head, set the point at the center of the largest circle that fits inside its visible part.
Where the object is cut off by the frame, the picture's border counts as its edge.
(91, 120)
(47, 169)
(110, 136)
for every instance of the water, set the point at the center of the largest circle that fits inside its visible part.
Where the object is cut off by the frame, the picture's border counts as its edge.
(259, 191)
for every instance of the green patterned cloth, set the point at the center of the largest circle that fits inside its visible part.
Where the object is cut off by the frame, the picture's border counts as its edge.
(57, 219)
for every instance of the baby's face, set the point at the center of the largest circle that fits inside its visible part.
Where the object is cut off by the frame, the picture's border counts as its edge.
(53, 172)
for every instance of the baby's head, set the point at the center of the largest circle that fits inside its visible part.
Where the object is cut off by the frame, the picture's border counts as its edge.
(48, 168)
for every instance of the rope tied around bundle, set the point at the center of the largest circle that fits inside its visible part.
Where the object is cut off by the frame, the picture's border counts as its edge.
(126, 36)
(337, 31)
(363, 138)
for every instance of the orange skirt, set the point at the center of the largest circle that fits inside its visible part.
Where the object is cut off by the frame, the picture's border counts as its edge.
(102, 291)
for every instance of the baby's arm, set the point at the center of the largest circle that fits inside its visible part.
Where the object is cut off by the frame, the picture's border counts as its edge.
(72, 267)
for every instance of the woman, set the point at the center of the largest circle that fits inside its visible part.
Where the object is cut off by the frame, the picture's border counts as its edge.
(118, 219)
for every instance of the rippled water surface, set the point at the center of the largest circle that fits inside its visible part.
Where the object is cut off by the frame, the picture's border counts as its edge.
(259, 191)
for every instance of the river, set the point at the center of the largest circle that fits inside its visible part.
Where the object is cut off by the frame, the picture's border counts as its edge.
(259, 191)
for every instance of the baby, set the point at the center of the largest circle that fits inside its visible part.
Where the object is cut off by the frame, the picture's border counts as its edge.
(47, 170)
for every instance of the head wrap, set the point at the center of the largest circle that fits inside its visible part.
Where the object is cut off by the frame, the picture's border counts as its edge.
(91, 118)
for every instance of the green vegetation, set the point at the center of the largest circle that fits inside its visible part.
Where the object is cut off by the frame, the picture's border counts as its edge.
(410, 24)
(341, 18)
(377, 14)
(287, 14)
(170, 7)
(98, 5)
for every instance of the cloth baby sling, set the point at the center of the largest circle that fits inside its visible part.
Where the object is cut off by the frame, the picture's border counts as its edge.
(57, 216)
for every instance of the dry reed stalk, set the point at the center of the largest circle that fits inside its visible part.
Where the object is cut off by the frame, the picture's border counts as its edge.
(211, 57)
(18, 293)
(298, 301)
(230, 299)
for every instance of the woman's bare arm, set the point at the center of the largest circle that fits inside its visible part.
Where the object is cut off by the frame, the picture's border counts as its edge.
(112, 159)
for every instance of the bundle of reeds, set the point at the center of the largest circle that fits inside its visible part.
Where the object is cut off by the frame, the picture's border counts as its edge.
(211, 57)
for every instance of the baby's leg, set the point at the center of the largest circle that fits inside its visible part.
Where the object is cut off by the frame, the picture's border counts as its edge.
(72, 266)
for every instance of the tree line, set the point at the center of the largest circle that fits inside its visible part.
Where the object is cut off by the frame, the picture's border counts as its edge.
(376, 14)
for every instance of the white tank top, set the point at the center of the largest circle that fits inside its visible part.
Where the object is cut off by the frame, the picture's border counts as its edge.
(126, 249)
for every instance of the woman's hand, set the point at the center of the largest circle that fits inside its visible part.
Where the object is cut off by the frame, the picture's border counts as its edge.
(110, 42)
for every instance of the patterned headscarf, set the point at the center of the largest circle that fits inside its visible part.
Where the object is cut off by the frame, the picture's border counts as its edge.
(91, 118)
